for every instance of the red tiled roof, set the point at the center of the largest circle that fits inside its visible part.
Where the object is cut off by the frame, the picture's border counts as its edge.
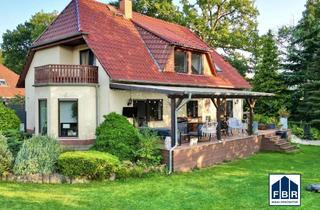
(159, 49)
(229, 72)
(128, 49)
(171, 32)
(11, 79)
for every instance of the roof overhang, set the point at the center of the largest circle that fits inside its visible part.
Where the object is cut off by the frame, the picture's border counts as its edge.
(195, 92)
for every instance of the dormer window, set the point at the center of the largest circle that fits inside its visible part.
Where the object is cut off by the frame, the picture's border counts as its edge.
(180, 61)
(189, 62)
(196, 63)
(3, 82)
(87, 57)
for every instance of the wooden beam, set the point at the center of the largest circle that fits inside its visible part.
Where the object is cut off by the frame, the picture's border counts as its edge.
(251, 102)
(219, 106)
(214, 101)
(179, 102)
(173, 121)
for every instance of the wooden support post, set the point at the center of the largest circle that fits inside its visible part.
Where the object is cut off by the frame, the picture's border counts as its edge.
(173, 121)
(251, 102)
(218, 106)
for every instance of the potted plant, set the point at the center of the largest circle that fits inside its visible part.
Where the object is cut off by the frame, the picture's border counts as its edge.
(261, 120)
(272, 122)
(284, 114)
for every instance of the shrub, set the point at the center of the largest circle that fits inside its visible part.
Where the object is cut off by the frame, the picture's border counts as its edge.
(149, 144)
(315, 133)
(37, 155)
(296, 130)
(8, 119)
(128, 169)
(6, 158)
(127, 172)
(89, 164)
(118, 137)
(15, 139)
(261, 118)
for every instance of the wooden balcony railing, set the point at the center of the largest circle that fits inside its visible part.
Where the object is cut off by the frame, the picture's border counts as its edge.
(66, 74)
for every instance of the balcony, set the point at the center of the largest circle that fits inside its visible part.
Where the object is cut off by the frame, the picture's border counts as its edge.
(66, 74)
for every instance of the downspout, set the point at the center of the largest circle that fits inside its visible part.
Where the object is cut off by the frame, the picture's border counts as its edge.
(97, 106)
(176, 134)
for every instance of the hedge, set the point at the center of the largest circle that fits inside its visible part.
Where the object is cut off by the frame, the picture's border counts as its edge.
(88, 164)
(9, 119)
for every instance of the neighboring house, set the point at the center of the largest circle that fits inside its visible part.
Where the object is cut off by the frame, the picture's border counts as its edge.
(95, 59)
(8, 91)
(8, 82)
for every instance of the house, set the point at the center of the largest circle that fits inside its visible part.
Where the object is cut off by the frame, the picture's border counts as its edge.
(95, 59)
(8, 81)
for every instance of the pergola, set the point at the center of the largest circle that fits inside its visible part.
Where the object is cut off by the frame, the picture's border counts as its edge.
(180, 95)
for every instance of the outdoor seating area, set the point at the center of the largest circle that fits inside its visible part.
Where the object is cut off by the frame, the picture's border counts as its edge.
(194, 132)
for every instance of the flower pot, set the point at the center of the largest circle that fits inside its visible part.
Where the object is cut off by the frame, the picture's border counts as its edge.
(262, 126)
(255, 127)
(271, 126)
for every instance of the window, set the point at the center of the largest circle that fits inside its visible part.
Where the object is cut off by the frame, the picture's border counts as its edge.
(192, 109)
(229, 108)
(149, 110)
(43, 126)
(154, 109)
(3, 82)
(68, 118)
(180, 61)
(196, 63)
(87, 57)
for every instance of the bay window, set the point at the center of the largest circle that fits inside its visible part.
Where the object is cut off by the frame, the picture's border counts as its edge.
(68, 118)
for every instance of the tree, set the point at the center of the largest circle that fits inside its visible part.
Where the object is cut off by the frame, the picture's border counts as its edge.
(1, 58)
(162, 9)
(302, 65)
(16, 43)
(227, 24)
(238, 61)
(267, 77)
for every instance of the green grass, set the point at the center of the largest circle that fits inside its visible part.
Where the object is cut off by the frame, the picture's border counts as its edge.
(241, 184)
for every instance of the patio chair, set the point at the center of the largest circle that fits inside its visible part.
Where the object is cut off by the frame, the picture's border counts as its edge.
(197, 133)
(235, 124)
(209, 129)
(183, 130)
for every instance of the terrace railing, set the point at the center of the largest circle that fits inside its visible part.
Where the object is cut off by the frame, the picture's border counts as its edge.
(66, 74)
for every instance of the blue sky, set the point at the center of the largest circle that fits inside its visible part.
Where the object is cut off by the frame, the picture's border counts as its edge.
(273, 13)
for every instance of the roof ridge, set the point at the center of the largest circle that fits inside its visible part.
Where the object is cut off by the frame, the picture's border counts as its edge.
(176, 24)
(78, 15)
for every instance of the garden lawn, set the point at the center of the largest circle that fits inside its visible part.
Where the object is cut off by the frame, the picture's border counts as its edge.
(241, 184)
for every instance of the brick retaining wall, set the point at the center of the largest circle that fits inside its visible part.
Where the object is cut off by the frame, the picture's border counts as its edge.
(186, 158)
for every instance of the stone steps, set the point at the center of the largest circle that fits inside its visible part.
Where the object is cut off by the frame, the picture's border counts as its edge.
(275, 143)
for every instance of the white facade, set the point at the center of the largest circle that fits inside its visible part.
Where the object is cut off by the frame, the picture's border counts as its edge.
(94, 101)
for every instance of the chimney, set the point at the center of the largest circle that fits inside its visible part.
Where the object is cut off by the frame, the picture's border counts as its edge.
(126, 8)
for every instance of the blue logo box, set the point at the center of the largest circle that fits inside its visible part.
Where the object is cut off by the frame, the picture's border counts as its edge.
(284, 189)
